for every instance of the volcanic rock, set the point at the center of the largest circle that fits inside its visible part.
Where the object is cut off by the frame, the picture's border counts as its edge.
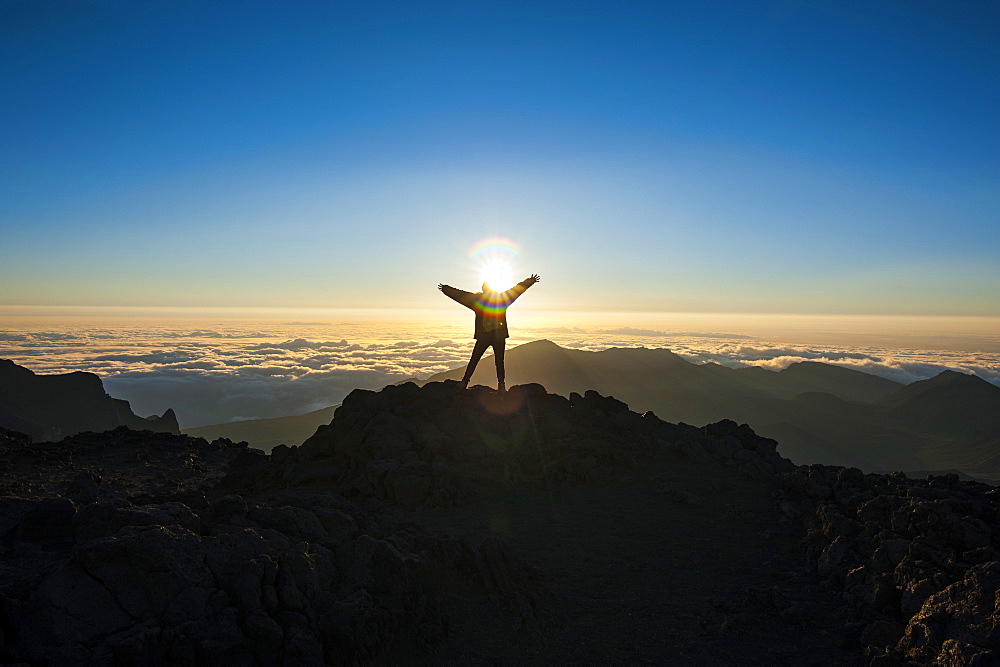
(919, 557)
(426, 524)
(433, 445)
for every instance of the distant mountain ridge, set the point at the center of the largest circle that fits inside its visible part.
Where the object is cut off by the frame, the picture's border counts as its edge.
(51, 407)
(265, 434)
(814, 376)
(949, 402)
(819, 413)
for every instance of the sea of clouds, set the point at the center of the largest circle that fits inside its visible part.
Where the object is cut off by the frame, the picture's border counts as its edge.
(228, 373)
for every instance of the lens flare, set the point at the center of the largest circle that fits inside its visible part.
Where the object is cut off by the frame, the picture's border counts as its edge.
(494, 246)
(493, 258)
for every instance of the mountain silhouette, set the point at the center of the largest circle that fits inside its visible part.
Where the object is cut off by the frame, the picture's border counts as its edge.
(701, 392)
(266, 434)
(50, 407)
(433, 526)
(819, 413)
(950, 403)
(813, 376)
(674, 388)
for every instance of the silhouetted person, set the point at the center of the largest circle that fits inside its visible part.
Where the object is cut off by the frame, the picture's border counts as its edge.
(491, 322)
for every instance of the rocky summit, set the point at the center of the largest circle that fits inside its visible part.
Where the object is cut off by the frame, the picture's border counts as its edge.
(431, 525)
(434, 446)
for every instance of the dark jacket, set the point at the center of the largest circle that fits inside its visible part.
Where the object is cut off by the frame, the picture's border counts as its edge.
(490, 307)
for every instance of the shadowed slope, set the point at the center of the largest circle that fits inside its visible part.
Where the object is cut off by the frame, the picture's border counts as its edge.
(482, 527)
(807, 376)
(54, 406)
(266, 434)
(950, 403)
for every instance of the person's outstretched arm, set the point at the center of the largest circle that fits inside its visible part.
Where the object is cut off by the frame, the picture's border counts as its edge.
(463, 297)
(518, 289)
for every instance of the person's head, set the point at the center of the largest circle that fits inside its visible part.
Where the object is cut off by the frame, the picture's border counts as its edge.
(487, 289)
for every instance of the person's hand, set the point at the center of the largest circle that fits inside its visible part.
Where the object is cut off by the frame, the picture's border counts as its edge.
(534, 278)
(441, 286)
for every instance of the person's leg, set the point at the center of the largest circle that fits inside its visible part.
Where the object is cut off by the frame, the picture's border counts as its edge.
(498, 348)
(477, 354)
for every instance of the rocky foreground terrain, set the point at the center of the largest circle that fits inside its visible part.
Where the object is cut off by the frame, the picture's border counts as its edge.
(429, 525)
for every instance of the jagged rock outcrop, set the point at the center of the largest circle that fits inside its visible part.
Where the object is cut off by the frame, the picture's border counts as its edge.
(128, 547)
(50, 407)
(919, 556)
(433, 445)
(118, 548)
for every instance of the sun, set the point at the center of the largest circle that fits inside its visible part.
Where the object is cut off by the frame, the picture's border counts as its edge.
(492, 257)
(497, 273)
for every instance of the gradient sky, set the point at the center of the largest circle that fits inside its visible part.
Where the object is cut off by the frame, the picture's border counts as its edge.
(792, 157)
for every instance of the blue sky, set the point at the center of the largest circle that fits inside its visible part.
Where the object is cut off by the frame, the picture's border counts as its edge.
(813, 157)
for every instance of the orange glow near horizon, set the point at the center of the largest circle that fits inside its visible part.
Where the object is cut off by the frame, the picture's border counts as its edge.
(529, 323)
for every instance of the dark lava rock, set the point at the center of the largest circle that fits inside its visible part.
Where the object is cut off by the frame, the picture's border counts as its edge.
(130, 547)
(918, 556)
(434, 445)
(137, 547)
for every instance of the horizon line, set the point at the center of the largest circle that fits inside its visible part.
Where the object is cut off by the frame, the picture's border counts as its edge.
(9, 310)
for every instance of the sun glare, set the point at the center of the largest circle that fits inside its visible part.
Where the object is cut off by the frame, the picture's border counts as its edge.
(497, 273)
(492, 257)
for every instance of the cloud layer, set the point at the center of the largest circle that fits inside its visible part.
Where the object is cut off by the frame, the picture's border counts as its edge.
(214, 374)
